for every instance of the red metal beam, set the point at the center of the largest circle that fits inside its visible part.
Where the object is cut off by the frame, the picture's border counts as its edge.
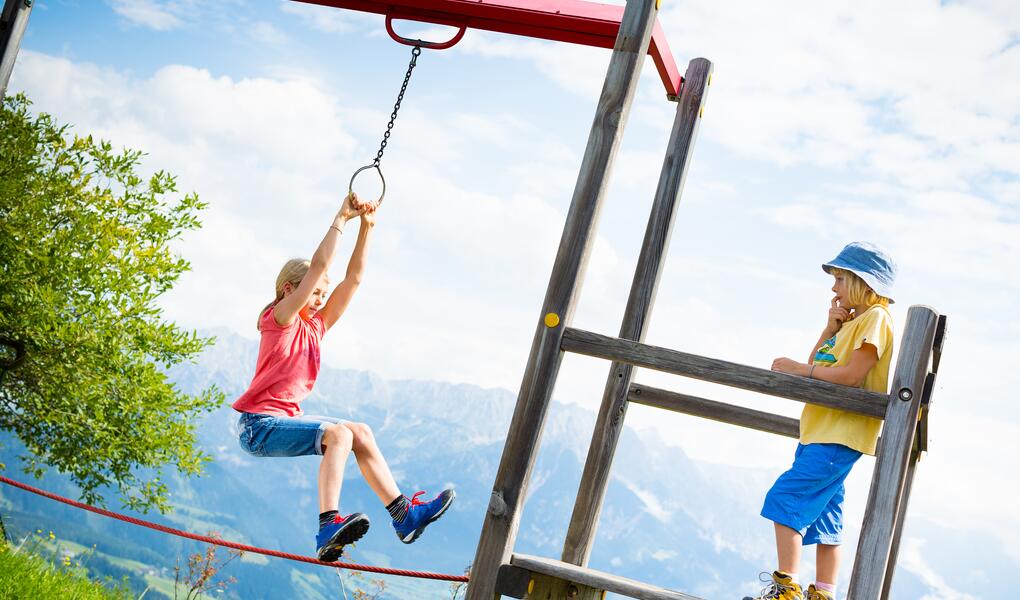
(573, 21)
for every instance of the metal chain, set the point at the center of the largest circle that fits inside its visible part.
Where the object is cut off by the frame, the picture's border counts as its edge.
(396, 107)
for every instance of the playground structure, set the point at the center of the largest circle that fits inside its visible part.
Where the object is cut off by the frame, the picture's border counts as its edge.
(634, 33)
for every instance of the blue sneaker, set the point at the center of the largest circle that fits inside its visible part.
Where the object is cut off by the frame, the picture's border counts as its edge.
(332, 537)
(420, 514)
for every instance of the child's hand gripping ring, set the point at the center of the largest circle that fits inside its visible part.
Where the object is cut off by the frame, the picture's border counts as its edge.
(350, 186)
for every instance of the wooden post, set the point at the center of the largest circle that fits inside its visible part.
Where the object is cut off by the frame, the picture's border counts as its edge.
(499, 530)
(894, 453)
(13, 22)
(608, 426)
(920, 445)
(901, 515)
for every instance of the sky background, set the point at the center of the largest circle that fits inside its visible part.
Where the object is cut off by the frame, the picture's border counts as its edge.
(897, 123)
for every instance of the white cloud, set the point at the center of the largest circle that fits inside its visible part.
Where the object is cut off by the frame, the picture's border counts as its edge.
(161, 16)
(835, 86)
(266, 33)
(322, 18)
(912, 559)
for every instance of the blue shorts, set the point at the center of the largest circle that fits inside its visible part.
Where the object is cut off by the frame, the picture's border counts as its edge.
(809, 497)
(269, 435)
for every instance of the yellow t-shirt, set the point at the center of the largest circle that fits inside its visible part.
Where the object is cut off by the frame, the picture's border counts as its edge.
(821, 425)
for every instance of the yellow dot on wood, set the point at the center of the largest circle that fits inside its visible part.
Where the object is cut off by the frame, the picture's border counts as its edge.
(701, 112)
(552, 320)
(531, 586)
(658, 3)
(709, 79)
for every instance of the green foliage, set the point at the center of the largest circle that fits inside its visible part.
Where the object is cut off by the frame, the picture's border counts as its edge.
(84, 255)
(28, 574)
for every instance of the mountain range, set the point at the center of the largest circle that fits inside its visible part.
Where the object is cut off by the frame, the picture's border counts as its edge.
(666, 519)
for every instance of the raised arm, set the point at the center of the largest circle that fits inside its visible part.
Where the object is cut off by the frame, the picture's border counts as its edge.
(286, 310)
(341, 297)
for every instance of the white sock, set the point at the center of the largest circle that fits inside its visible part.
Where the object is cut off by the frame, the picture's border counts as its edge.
(793, 577)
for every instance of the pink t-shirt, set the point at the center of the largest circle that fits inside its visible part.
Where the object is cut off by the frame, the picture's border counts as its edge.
(287, 366)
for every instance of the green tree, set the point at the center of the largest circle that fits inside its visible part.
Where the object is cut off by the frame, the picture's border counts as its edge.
(85, 252)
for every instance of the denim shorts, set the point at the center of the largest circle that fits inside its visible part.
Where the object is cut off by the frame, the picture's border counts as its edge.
(809, 497)
(270, 435)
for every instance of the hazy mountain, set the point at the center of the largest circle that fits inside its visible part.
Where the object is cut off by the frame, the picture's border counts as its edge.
(665, 520)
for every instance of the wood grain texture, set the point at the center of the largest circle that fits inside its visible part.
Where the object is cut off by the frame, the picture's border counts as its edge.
(499, 531)
(596, 579)
(547, 587)
(901, 515)
(609, 423)
(783, 385)
(716, 411)
(894, 452)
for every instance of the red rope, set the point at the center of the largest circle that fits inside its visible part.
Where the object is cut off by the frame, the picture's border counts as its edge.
(229, 544)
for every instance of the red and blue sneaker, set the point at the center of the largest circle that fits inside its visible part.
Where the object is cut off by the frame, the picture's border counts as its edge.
(420, 514)
(333, 536)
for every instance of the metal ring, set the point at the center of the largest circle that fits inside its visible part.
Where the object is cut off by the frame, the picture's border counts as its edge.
(430, 45)
(350, 186)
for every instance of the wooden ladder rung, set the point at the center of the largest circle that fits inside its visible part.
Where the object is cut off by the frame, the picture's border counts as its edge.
(596, 579)
(763, 381)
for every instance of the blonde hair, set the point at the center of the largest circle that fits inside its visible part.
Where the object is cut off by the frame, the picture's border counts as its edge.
(859, 293)
(293, 271)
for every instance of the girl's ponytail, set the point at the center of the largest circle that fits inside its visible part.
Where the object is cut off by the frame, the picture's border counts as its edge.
(293, 272)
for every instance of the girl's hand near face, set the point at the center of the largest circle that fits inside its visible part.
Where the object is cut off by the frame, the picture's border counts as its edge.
(837, 316)
(788, 365)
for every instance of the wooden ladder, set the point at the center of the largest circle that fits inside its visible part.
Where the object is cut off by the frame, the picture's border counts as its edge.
(496, 569)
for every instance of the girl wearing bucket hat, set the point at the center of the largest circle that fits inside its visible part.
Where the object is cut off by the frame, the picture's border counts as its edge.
(855, 348)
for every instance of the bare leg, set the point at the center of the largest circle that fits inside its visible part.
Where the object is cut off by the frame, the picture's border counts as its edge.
(827, 563)
(372, 464)
(336, 442)
(788, 547)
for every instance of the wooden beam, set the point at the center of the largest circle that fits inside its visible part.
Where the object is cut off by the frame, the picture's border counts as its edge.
(499, 530)
(783, 385)
(892, 464)
(920, 446)
(901, 516)
(596, 579)
(716, 411)
(609, 424)
(13, 22)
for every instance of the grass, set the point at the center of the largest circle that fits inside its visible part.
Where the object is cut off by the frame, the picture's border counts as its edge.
(25, 574)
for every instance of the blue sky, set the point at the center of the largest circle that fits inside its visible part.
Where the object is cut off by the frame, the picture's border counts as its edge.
(897, 123)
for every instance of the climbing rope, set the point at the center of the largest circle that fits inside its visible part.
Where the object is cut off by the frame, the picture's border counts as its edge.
(229, 544)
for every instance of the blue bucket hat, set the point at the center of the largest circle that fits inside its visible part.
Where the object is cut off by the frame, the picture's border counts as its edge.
(869, 263)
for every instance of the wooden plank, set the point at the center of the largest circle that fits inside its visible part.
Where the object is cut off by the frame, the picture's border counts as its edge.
(596, 579)
(609, 424)
(920, 445)
(940, 340)
(901, 516)
(783, 385)
(13, 23)
(499, 529)
(716, 411)
(891, 466)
